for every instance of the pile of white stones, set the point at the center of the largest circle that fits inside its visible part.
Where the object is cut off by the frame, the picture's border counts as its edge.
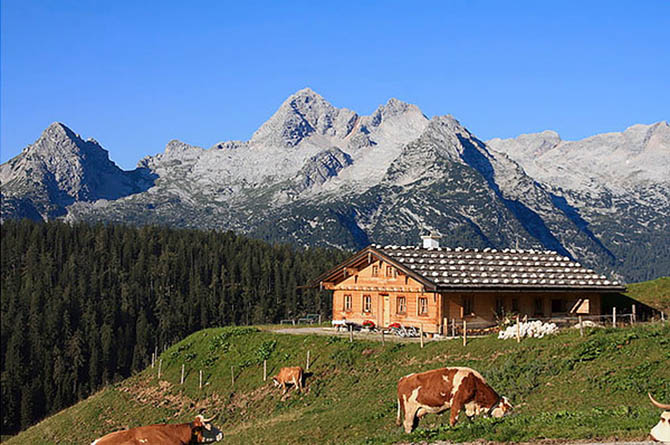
(535, 329)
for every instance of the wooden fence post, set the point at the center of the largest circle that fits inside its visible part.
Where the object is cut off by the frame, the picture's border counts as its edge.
(633, 315)
(160, 364)
(445, 326)
(351, 334)
(181, 381)
(307, 366)
(518, 330)
(265, 370)
(614, 317)
(465, 332)
(581, 327)
(383, 341)
(421, 333)
(153, 360)
(200, 385)
(453, 327)
(319, 318)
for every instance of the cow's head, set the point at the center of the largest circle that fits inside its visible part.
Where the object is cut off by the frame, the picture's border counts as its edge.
(203, 431)
(275, 380)
(502, 408)
(661, 432)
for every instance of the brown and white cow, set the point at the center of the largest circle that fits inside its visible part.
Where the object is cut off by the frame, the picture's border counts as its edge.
(447, 388)
(288, 375)
(198, 431)
(661, 432)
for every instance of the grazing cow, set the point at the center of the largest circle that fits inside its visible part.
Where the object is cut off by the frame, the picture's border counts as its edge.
(441, 389)
(661, 432)
(293, 374)
(198, 431)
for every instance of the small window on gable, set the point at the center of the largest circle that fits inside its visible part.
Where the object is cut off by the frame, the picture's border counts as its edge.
(423, 306)
(389, 271)
(367, 303)
(347, 303)
(375, 271)
(401, 305)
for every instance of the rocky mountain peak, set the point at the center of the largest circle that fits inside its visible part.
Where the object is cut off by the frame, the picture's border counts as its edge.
(61, 167)
(391, 109)
(301, 115)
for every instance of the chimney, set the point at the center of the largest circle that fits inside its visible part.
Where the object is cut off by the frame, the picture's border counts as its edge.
(431, 241)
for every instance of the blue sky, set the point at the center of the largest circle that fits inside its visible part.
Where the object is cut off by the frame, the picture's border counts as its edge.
(134, 75)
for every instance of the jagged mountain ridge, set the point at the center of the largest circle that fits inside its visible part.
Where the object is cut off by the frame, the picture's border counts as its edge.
(59, 169)
(314, 174)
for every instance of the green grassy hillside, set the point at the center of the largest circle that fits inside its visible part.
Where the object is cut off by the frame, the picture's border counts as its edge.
(655, 293)
(562, 386)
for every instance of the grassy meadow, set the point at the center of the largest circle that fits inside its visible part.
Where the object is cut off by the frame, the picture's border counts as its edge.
(655, 293)
(562, 386)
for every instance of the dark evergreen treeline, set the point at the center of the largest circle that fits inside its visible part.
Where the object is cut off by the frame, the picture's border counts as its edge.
(84, 305)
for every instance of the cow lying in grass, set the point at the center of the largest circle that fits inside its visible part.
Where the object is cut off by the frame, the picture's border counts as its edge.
(198, 431)
(289, 375)
(447, 388)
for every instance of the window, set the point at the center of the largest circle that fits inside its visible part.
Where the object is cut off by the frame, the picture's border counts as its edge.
(423, 306)
(367, 303)
(500, 306)
(347, 303)
(515, 305)
(539, 306)
(389, 271)
(375, 271)
(468, 306)
(401, 305)
(558, 306)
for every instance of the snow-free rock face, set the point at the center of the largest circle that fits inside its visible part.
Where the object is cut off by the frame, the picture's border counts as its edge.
(315, 174)
(303, 114)
(611, 162)
(61, 168)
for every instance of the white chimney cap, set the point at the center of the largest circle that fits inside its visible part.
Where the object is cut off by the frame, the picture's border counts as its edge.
(431, 241)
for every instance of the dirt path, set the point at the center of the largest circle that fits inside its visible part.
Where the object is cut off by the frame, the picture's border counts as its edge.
(358, 335)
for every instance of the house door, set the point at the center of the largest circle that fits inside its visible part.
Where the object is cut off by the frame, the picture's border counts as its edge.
(387, 310)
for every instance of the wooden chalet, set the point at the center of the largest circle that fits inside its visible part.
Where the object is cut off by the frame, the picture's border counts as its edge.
(432, 285)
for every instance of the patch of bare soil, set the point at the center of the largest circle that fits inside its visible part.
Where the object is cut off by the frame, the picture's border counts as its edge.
(166, 395)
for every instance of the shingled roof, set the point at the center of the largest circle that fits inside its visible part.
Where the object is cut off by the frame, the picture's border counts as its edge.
(459, 268)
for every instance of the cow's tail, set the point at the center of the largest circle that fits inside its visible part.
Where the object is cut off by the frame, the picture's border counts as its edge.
(401, 408)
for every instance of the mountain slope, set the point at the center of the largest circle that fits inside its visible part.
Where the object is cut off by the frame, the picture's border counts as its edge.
(315, 174)
(59, 169)
(616, 186)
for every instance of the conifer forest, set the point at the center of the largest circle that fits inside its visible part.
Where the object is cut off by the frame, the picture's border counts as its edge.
(86, 305)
